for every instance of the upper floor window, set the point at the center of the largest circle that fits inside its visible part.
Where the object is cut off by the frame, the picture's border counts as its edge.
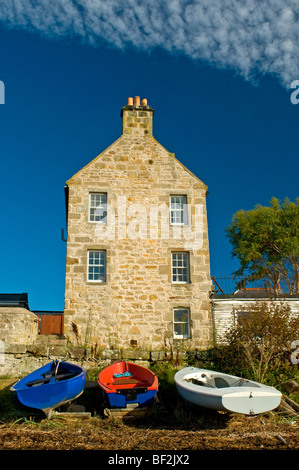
(180, 267)
(98, 207)
(178, 210)
(97, 265)
(181, 323)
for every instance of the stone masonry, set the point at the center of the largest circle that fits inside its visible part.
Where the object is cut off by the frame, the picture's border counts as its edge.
(132, 304)
(18, 328)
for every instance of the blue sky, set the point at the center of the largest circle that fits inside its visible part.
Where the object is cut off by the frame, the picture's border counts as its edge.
(220, 87)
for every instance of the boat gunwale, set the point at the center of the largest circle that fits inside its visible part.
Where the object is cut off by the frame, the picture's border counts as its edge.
(142, 383)
(256, 387)
(80, 372)
(220, 392)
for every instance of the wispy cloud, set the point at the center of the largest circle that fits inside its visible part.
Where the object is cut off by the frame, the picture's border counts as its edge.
(252, 37)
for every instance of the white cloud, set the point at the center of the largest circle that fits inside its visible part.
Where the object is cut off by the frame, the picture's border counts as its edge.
(251, 37)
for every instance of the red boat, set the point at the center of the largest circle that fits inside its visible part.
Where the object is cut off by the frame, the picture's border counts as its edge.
(125, 382)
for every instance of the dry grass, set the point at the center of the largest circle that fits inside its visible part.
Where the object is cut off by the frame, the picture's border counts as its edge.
(227, 433)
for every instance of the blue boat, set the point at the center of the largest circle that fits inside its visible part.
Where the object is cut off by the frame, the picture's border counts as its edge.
(51, 386)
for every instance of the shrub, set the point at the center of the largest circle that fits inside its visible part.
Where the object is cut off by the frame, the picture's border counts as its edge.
(261, 340)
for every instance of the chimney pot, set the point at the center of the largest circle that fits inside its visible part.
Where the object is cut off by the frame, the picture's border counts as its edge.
(137, 101)
(144, 102)
(130, 102)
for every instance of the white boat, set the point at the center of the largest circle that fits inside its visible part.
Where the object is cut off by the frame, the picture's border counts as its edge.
(223, 392)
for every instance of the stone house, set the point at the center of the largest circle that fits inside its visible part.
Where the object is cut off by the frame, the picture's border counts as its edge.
(137, 263)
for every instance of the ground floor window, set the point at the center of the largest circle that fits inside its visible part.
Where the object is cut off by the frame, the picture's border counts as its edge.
(240, 316)
(97, 265)
(181, 323)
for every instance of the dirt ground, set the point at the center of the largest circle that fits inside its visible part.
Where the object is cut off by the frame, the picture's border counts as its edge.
(161, 429)
(227, 433)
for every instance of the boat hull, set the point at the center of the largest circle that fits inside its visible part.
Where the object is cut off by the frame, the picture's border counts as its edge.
(124, 383)
(44, 390)
(248, 397)
(125, 398)
(251, 402)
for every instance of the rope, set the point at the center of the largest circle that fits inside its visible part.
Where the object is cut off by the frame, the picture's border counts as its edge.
(57, 366)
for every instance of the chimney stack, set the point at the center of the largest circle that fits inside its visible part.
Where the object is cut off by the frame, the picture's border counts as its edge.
(137, 118)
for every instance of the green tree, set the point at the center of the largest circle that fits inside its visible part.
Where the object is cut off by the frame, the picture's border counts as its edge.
(265, 240)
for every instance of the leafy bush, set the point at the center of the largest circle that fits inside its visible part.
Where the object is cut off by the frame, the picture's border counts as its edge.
(260, 343)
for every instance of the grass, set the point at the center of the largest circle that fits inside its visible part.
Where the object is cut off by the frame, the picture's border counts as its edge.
(44, 424)
(8, 405)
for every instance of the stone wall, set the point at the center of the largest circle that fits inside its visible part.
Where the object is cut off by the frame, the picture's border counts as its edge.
(134, 306)
(18, 360)
(18, 330)
(18, 327)
(23, 350)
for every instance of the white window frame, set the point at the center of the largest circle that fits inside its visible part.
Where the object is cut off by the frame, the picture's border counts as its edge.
(96, 259)
(178, 209)
(100, 208)
(186, 334)
(180, 267)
